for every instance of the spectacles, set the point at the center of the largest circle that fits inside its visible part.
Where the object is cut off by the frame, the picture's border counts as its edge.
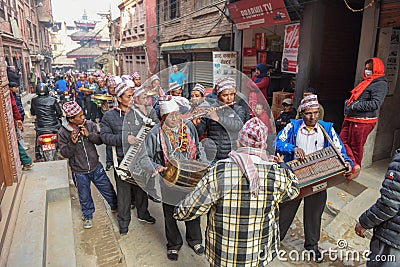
(309, 114)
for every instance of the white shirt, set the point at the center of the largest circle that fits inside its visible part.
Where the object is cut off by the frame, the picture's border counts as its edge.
(310, 141)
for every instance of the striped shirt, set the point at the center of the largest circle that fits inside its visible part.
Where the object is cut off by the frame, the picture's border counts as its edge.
(242, 230)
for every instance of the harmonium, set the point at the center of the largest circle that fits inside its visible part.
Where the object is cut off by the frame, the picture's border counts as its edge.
(319, 170)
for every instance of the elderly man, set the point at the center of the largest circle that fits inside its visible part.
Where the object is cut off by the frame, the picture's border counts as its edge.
(178, 139)
(241, 195)
(298, 139)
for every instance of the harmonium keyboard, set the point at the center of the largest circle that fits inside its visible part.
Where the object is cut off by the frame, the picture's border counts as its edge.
(319, 171)
(130, 170)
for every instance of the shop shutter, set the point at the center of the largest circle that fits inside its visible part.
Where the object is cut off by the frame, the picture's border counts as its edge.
(389, 14)
(203, 73)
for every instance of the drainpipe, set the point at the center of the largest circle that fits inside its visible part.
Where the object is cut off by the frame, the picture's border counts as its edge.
(158, 35)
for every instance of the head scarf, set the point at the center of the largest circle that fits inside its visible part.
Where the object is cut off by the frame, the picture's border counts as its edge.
(263, 72)
(377, 71)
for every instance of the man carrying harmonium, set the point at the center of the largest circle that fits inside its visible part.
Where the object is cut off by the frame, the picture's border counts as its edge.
(298, 139)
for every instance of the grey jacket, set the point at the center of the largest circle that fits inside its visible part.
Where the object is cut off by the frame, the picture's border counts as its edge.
(369, 102)
(384, 215)
(82, 156)
(116, 125)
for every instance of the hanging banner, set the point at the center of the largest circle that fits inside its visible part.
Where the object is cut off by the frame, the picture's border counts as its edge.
(224, 64)
(258, 13)
(393, 61)
(291, 48)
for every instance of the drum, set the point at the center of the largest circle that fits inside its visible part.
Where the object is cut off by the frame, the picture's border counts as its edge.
(184, 172)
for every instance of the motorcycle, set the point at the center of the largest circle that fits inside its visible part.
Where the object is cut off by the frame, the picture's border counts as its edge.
(47, 145)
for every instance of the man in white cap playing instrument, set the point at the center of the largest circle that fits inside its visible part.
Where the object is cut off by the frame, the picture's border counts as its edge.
(173, 138)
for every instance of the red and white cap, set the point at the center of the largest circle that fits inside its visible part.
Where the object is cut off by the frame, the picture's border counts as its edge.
(174, 86)
(253, 134)
(227, 83)
(121, 88)
(199, 87)
(135, 75)
(310, 101)
(71, 109)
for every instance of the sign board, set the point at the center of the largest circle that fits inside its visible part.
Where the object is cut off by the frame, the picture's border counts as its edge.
(224, 64)
(291, 48)
(258, 13)
(393, 61)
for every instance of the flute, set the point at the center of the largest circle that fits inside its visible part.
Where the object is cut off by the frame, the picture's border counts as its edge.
(201, 114)
(78, 132)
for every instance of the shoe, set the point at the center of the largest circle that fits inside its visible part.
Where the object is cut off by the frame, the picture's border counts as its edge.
(27, 167)
(26, 147)
(198, 249)
(155, 199)
(109, 167)
(316, 255)
(114, 210)
(172, 254)
(87, 224)
(123, 231)
(132, 206)
(150, 220)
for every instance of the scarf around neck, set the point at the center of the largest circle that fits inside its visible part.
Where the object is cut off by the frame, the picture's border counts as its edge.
(242, 157)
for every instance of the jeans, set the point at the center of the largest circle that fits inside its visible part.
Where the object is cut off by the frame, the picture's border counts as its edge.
(102, 183)
(25, 159)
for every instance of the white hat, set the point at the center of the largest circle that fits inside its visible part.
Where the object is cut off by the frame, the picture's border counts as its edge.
(168, 105)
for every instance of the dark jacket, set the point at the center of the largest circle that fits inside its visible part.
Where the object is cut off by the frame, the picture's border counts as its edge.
(82, 156)
(223, 133)
(13, 77)
(284, 119)
(369, 102)
(384, 215)
(47, 112)
(113, 130)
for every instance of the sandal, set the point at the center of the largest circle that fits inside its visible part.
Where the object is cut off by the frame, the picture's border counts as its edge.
(172, 254)
(198, 249)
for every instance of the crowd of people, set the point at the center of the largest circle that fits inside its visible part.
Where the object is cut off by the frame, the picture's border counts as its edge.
(248, 194)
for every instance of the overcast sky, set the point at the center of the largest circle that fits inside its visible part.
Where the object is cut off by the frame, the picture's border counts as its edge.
(70, 10)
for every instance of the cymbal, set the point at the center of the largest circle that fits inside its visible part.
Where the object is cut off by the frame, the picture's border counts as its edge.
(85, 90)
(152, 93)
(102, 97)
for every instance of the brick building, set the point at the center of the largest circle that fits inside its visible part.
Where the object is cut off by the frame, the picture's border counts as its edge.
(190, 31)
(135, 38)
(26, 42)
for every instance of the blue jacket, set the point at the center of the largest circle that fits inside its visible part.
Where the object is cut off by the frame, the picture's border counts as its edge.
(61, 85)
(286, 139)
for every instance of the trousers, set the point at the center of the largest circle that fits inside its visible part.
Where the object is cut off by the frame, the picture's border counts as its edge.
(354, 135)
(174, 238)
(313, 208)
(102, 182)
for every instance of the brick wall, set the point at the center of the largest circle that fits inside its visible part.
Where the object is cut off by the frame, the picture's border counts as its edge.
(202, 23)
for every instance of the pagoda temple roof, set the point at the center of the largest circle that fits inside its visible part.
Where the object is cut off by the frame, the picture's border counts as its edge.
(85, 52)
(85, 35)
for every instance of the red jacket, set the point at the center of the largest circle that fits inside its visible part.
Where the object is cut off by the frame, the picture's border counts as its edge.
(17, 115)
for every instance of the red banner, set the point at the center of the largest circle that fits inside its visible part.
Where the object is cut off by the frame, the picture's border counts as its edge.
(291, 48)
(258, 13)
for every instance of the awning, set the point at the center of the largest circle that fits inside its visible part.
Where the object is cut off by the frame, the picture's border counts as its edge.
(193, 45)
(133, 44)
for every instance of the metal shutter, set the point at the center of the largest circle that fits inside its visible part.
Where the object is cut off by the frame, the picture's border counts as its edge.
(203, 73)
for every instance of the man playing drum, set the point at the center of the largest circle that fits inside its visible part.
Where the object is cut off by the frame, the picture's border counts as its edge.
(173, 138)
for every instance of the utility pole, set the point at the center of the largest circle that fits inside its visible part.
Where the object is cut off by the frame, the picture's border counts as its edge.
(112, 48)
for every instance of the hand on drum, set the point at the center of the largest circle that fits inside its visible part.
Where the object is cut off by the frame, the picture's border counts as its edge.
(158, 170)
(132, 140)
